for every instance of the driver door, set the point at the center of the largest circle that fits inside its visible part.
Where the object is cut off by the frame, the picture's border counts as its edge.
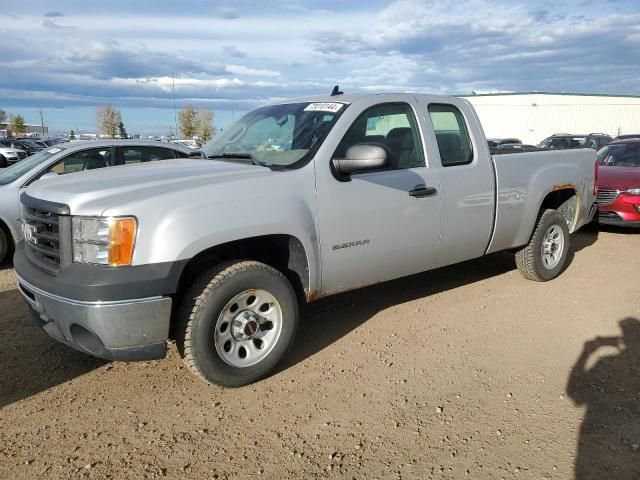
(379, 225)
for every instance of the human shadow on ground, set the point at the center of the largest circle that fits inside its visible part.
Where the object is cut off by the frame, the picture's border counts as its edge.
(609, 438)
(30, 361)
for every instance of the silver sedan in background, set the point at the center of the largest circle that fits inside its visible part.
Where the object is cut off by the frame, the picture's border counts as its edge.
(69, 158)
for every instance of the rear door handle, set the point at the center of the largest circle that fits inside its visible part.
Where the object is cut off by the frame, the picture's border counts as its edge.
(421, 191)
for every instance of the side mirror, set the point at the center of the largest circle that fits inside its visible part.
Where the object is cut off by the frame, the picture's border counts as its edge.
(361, 157)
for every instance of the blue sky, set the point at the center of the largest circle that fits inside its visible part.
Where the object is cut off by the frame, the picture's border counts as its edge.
(67, 57)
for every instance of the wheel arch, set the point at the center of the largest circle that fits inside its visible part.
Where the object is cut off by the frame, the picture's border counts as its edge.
(283, 252)
(564, 199)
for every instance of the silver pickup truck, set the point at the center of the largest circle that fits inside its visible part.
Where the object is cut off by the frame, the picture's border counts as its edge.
(298, 200)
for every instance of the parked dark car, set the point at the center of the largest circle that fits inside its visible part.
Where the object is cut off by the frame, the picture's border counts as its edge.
(566, 141)
(496, 142)
(513, 148)
(619, 183)
(626, 136)
(27, 145)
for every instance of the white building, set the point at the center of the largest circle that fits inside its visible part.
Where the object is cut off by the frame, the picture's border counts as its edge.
(533, 116)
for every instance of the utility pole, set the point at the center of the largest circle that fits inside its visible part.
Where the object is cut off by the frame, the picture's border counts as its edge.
(42, 122)
(175, 111)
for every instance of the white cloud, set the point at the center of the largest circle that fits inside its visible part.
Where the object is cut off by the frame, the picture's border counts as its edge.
(251, 52)
(251, 72)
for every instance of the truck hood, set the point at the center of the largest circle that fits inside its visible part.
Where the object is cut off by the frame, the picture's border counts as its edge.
(93, 192)
(619, 178)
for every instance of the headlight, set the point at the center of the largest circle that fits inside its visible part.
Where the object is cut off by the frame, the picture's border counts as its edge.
(633, 191)
(104, 240)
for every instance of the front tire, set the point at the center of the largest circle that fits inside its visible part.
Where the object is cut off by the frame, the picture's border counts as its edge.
(4, 245)
(544, 257)
(3, 162)
(237, 321)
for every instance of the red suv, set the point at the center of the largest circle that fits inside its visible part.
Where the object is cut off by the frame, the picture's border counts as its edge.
(619, 183)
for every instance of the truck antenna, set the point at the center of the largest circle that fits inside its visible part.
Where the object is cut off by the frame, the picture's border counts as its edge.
(336, 91)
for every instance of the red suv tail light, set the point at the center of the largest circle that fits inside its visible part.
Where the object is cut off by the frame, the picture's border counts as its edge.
(596, 172)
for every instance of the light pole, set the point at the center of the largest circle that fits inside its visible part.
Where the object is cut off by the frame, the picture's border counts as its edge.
(42, 122)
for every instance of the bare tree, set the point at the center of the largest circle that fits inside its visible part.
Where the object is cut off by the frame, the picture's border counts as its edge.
(188, 121)
(108, 119)
(206, 130)
(3, 116)
(17, 125)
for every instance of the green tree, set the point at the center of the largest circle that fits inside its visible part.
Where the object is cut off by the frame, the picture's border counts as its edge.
(205, 128)
(3, 116)
(108, 118)
(17, 125)
(72, 135)
(188, 118)
(121, 131)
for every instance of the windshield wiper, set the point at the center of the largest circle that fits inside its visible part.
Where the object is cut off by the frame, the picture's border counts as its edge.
(241, 156)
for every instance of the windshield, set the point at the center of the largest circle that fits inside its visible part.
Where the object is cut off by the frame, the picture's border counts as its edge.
(284, 136)
(622, 155)
(15, 171)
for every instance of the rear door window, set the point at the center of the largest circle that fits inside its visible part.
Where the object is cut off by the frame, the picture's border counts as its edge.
(145, 154)
(454, 142)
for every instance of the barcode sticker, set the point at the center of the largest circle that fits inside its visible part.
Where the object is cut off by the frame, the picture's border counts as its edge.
(324, 107)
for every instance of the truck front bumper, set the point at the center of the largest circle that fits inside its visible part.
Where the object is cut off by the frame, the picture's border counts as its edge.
(126, 330)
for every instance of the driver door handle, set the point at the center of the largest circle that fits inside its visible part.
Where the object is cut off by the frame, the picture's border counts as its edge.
(421, 191)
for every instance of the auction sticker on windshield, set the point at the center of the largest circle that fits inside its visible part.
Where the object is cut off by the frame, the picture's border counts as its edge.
(54, 150)
(324, 107)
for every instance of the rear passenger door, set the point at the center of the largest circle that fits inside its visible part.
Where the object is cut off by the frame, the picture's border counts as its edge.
(466, 179)
(128, 155)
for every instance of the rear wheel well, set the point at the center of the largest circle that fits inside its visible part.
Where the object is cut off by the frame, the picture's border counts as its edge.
(282, 252)
(565, 201)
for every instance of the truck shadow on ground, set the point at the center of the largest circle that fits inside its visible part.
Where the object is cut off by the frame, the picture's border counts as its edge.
(609, 438)
(31, 362)
(329, 319)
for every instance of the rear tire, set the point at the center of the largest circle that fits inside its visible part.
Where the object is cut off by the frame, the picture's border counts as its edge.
(237, 321)
(544, 257)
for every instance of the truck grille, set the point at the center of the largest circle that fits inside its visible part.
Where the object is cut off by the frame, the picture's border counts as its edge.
(42, 236)
(47, 232)
(606, 196)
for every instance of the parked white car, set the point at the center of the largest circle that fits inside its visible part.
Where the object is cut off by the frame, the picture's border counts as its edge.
(67, 158)
(9, 156)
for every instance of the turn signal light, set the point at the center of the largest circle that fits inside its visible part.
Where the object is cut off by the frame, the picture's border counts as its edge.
(122, 238)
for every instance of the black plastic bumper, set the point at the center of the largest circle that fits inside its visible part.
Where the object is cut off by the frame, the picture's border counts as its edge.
(96, 283)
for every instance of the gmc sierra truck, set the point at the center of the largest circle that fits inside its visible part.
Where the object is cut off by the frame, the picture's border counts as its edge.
(298, 200)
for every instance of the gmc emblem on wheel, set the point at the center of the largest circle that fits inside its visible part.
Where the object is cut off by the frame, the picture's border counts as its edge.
(357, 243)
(29, 232)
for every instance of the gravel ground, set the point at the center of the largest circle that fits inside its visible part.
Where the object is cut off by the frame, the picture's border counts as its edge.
(464, 372)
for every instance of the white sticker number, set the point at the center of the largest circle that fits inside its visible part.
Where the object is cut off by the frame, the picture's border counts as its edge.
(324, 107)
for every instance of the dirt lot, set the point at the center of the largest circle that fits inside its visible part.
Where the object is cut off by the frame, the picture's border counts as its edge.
(457, 373)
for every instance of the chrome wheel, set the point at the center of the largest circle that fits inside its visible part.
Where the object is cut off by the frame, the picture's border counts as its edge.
(552, 247)
(248, 328)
